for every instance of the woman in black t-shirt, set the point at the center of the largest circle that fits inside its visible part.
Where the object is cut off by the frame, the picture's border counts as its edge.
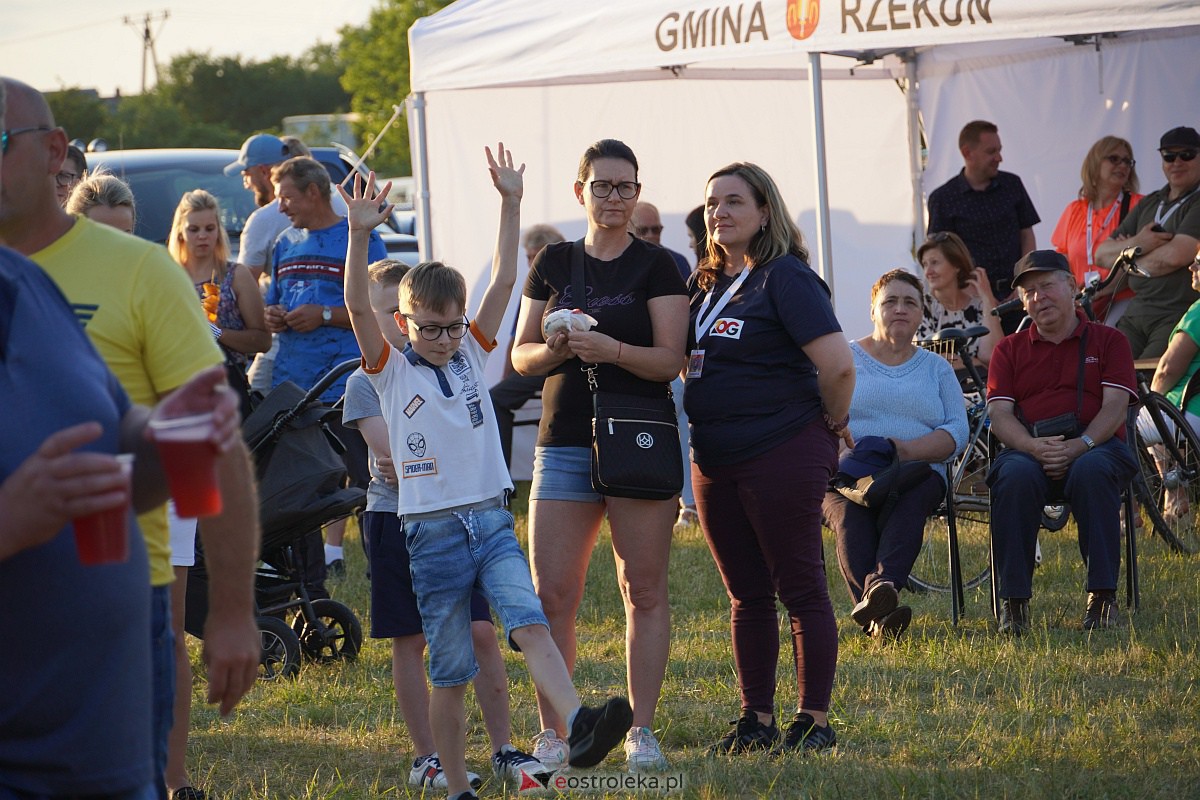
(638, 299)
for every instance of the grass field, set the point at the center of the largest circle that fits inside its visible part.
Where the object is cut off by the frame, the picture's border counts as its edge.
(948, 712)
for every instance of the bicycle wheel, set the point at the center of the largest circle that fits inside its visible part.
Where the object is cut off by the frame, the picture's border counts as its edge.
(1168, 456)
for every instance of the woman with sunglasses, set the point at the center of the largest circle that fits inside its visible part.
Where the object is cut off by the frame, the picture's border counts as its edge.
(1109, 191)
(638, 299)
(958, 294)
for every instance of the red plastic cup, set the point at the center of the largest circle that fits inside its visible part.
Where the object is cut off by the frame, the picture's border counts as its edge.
(190, 462)
(103, 537)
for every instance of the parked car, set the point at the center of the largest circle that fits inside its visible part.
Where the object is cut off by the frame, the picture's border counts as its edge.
(160, 177)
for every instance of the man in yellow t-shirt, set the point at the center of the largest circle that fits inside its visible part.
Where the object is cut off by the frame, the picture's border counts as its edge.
(142, 314)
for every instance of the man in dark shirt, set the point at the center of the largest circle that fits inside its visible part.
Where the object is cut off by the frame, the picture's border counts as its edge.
(989, 209)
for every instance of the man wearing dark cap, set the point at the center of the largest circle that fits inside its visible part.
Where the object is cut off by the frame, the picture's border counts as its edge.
(1166, 225)
(1058, 394)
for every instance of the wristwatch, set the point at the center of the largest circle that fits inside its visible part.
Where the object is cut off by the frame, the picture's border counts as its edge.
(1089, 441)
(326, 315)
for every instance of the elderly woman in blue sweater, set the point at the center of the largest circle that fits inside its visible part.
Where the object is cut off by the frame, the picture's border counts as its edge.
(911, 397)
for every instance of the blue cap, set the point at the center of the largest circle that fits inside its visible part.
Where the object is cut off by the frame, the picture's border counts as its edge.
(870, 454)
(260, 149)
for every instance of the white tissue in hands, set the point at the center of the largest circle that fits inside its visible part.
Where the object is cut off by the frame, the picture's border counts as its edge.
(566, 319)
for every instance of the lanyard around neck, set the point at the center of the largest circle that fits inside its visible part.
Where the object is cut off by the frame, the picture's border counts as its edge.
(1161, 218)
(1091, 260)
(705, 321)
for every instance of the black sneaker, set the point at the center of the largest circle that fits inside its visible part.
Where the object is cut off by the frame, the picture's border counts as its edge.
(748, 734)
(595, 731)
(1014, 616)
(879, 601)
(889, 627)
(1101, 610)
(336, 568)
(806, 736)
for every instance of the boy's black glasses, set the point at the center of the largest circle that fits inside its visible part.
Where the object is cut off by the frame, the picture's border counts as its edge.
(431, 333)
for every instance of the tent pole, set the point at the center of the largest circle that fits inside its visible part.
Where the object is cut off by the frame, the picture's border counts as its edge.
(824, 244)
(915, 165)
(418, 146)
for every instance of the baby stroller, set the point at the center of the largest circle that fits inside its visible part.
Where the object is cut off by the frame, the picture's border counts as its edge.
(301, 487)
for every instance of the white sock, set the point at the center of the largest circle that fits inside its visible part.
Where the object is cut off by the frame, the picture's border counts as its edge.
(332, 553)
(571, 720)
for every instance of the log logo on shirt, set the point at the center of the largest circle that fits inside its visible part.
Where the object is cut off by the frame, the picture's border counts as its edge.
(416, 444)
(728, 327)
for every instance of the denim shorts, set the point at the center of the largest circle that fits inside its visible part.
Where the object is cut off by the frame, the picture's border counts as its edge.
(453, 553)
(162, 656)
(393, 605)
(563, 473)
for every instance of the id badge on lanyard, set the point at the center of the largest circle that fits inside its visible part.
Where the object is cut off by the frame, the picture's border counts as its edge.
(704, 321)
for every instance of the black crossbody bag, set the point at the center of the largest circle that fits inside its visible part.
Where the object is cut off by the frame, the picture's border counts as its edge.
(635, 439)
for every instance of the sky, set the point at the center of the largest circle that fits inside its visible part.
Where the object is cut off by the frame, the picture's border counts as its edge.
(55, 44)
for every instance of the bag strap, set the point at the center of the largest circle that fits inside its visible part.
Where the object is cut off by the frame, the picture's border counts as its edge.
(1125, 198)
(579, 295)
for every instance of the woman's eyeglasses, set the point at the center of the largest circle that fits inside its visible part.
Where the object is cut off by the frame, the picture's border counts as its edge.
(1185, 155)
(1117, 160)
(626, 190)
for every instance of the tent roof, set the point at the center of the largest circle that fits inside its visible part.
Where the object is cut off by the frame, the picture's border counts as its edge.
(481, 43)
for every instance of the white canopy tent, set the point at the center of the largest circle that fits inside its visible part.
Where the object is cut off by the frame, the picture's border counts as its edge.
(692, 85)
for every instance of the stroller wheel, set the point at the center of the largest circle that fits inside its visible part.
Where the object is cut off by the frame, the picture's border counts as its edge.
(280, 650)
(334, 635)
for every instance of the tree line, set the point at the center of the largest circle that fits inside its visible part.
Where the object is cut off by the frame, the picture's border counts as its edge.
(203, 100)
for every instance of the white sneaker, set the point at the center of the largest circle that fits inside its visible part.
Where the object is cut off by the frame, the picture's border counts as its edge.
(509, 764)
(688, 518)
(642, 753)
(427, 772)
(550, 750)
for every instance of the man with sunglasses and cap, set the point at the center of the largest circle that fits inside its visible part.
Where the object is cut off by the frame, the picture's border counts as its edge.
(1058, 393)
(1166, 226)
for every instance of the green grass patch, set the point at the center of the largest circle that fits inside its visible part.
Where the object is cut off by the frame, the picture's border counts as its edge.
(948, 712)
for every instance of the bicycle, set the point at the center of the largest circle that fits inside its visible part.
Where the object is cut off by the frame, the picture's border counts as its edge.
(967, 474)
(1168, 455)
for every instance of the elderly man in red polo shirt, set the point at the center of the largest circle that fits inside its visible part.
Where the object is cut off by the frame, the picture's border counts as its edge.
(1058, 393)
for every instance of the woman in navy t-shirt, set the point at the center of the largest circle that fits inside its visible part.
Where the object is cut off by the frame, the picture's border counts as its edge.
(768, 387)
(635, 293)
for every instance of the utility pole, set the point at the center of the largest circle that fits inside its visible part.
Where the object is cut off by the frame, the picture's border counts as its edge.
(148, 51)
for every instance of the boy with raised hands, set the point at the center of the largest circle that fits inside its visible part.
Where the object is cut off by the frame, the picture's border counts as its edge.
(452, 478)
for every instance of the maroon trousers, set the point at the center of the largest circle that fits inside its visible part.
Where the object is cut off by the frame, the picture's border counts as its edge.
(762, 520)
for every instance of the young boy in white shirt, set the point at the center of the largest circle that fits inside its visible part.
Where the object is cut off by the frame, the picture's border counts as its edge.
(452, 477)
(394, 612)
